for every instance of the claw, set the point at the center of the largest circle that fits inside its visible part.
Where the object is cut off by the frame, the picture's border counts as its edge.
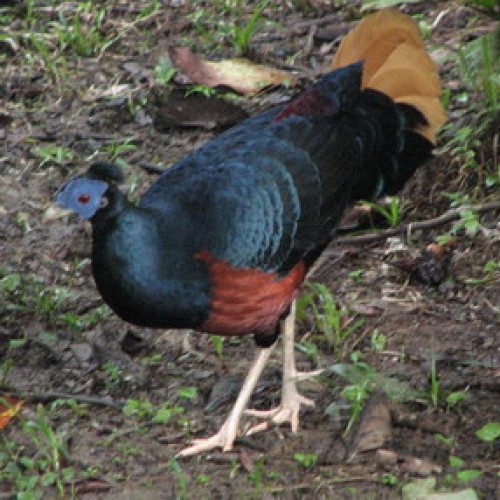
(291, 399)
(223, 439)
(287, 411)
(227, 434)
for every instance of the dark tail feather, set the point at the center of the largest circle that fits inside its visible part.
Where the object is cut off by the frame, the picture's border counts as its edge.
(393, 150)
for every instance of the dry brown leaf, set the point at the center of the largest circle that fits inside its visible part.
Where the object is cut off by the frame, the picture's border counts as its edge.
(9, 408)
(239, 74)
(375, 426)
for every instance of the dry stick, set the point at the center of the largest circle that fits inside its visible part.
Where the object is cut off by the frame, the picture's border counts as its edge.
(53, 395)
(411, 226)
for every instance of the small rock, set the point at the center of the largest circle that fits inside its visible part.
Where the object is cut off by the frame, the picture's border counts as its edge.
(83, 352)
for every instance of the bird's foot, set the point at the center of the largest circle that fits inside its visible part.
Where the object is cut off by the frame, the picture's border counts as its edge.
(289, 408)
(223, 439)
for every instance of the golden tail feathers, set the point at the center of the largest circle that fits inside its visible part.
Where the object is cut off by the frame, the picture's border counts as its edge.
(397, 64)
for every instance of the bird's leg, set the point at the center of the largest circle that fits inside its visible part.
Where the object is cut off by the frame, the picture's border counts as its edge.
(229, 430)
(291, 399)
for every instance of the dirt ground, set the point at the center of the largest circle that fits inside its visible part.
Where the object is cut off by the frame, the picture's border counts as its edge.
(117, 402)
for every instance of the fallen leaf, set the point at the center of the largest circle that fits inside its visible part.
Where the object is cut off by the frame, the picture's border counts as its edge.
(374, 429)
(94, 94)
(240, 75)
(425, 489)
(419, 466)
(175, 109)
(9, 408)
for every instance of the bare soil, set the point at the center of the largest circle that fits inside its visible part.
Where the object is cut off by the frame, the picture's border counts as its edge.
(58, 342)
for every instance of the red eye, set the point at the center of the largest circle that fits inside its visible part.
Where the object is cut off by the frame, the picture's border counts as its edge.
(84, 198)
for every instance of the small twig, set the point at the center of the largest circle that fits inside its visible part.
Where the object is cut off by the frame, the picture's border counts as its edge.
(448, 216)
(151, 168)
(53, 395)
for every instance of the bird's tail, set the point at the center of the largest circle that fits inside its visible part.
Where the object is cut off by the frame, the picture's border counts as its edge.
(396, 63)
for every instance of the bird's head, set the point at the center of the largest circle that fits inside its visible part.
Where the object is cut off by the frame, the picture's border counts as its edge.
(86, 194)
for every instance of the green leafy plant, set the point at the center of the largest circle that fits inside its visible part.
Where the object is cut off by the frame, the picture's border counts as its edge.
(242, 35)
(378, 340)
(468, 221)
(145, 410)
(479, 66)
(330, 320)
(489, 433)
(456, 397)
(200, 89)
(491, 272)
(53, 155)
(393, 212)
(118, 148)
(47, 466)
(181, 479)
(357, 275)
(81, 32)
(434, 385)
(307, 460)
(310, 349)
(164, 71)
(218, 343)
(114, 375)
(463, 146)
(85, 321)
(361, 377)
(225, 21)
(450, 442)
(190, 393)
(390, 480)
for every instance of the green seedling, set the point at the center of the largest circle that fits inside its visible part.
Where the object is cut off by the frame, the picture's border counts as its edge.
(226, 22)
(200, 89)
(329, 320)
(164, 71)
(181, 479)
(149, 9)
(242, 35)
(81, 33)
(450, 442)
(479, 67)
(144, 410)
(378, 340)
(361, 378)
(357, 275)
(218, 343)
(114, 375)
(457, 397)
(202, 479)
(464, 476)
(434, 385)
(310, 349)
(307, 460)
(491, 271)
(116, 149)
(489, 433)
(468, 221)
(53, 155)
(85, 321)
(390, 480)
(190, 393)
(455, 462)
(47, 467)
(393, 212)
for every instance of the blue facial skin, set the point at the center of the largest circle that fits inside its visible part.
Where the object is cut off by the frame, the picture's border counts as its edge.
(82, 195)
